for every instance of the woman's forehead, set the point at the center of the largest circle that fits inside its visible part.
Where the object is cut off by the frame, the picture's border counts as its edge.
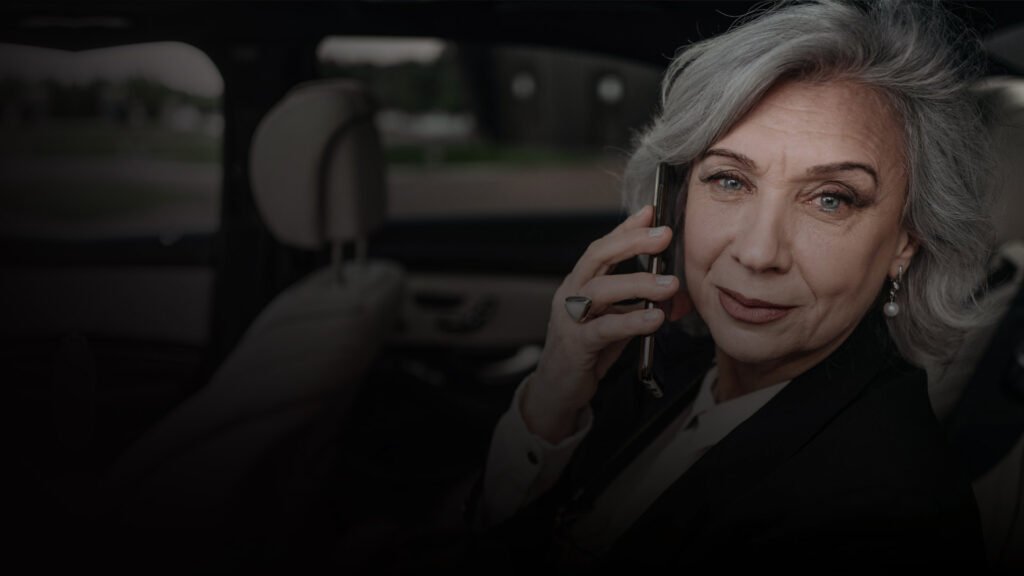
(820, 123)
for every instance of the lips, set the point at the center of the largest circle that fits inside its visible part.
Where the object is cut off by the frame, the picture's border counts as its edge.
(750, 310)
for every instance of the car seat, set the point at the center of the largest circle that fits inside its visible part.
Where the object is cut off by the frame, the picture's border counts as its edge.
(318, 175)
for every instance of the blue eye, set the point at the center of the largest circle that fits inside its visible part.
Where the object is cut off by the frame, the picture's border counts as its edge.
(726, 182)
(730, 184)
(832, 202)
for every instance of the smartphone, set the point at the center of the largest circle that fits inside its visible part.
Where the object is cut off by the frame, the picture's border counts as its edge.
(645, 372)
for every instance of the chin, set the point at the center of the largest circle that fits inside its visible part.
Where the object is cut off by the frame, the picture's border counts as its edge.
(750, 345)
(749, 348)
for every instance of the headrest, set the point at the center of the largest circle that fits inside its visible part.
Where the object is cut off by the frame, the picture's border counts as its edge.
(317, 167)
(1002, 99)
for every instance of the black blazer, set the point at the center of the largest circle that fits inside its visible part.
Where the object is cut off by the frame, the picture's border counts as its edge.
(845, 467)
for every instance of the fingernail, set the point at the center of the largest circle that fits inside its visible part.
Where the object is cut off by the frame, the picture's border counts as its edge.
(663, 279)
(642, 208)
(652, 314)
(660, 230)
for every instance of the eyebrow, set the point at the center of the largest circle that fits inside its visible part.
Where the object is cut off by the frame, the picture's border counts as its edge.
(843, 167)
(812, 171)
(746, 161)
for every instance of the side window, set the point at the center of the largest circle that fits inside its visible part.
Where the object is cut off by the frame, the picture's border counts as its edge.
(112, 143)
(480, 130)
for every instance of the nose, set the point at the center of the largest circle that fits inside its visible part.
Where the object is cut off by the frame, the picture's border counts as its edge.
(761, 243)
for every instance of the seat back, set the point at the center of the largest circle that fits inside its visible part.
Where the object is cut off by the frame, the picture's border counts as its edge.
(318, 177)
(317, 166)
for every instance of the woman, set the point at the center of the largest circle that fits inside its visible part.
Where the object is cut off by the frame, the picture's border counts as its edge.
(829, 228)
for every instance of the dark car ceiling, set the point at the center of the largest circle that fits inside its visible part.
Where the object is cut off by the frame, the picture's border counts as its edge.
(644, 30)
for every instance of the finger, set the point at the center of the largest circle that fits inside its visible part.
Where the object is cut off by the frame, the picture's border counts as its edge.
(607, 251)
(624, 308)
(639, 219)
(606, 291)
(600, 332)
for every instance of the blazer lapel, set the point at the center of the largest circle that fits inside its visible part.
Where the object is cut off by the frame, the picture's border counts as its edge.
(755, 448)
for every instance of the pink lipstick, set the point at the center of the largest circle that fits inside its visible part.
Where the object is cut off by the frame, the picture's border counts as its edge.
(750, 310)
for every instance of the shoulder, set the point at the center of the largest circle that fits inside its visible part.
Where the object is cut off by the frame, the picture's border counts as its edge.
(888, 437)
(882, 469)
(891, 424)
(878, 410)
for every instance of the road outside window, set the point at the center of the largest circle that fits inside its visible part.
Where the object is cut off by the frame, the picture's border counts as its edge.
(491, 130)
(110, 143)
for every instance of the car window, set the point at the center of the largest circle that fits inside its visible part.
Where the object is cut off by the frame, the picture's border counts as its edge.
(118, 142)
(481, 130)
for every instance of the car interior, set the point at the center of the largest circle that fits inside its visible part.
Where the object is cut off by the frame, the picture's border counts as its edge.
(272, 271)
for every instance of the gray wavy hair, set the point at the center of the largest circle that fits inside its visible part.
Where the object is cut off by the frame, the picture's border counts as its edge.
(904, 50)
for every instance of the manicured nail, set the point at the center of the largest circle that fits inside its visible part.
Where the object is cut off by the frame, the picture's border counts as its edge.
(660, 230)
(652, 314)
(663, 279)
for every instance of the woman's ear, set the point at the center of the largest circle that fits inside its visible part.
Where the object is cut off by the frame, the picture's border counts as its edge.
(906, 248)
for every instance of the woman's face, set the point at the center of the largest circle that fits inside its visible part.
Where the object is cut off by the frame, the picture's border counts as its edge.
(793, 222)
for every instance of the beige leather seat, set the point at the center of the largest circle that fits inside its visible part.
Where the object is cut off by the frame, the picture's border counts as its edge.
(1000, 489)
(318, 175)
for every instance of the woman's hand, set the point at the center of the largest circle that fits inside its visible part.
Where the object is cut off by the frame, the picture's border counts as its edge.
(577, 355)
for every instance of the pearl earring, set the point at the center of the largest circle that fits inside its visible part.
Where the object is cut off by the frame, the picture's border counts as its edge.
(891, 308)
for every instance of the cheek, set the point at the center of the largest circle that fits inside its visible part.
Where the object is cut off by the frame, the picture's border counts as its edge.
(704, 236)
(841, 271)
